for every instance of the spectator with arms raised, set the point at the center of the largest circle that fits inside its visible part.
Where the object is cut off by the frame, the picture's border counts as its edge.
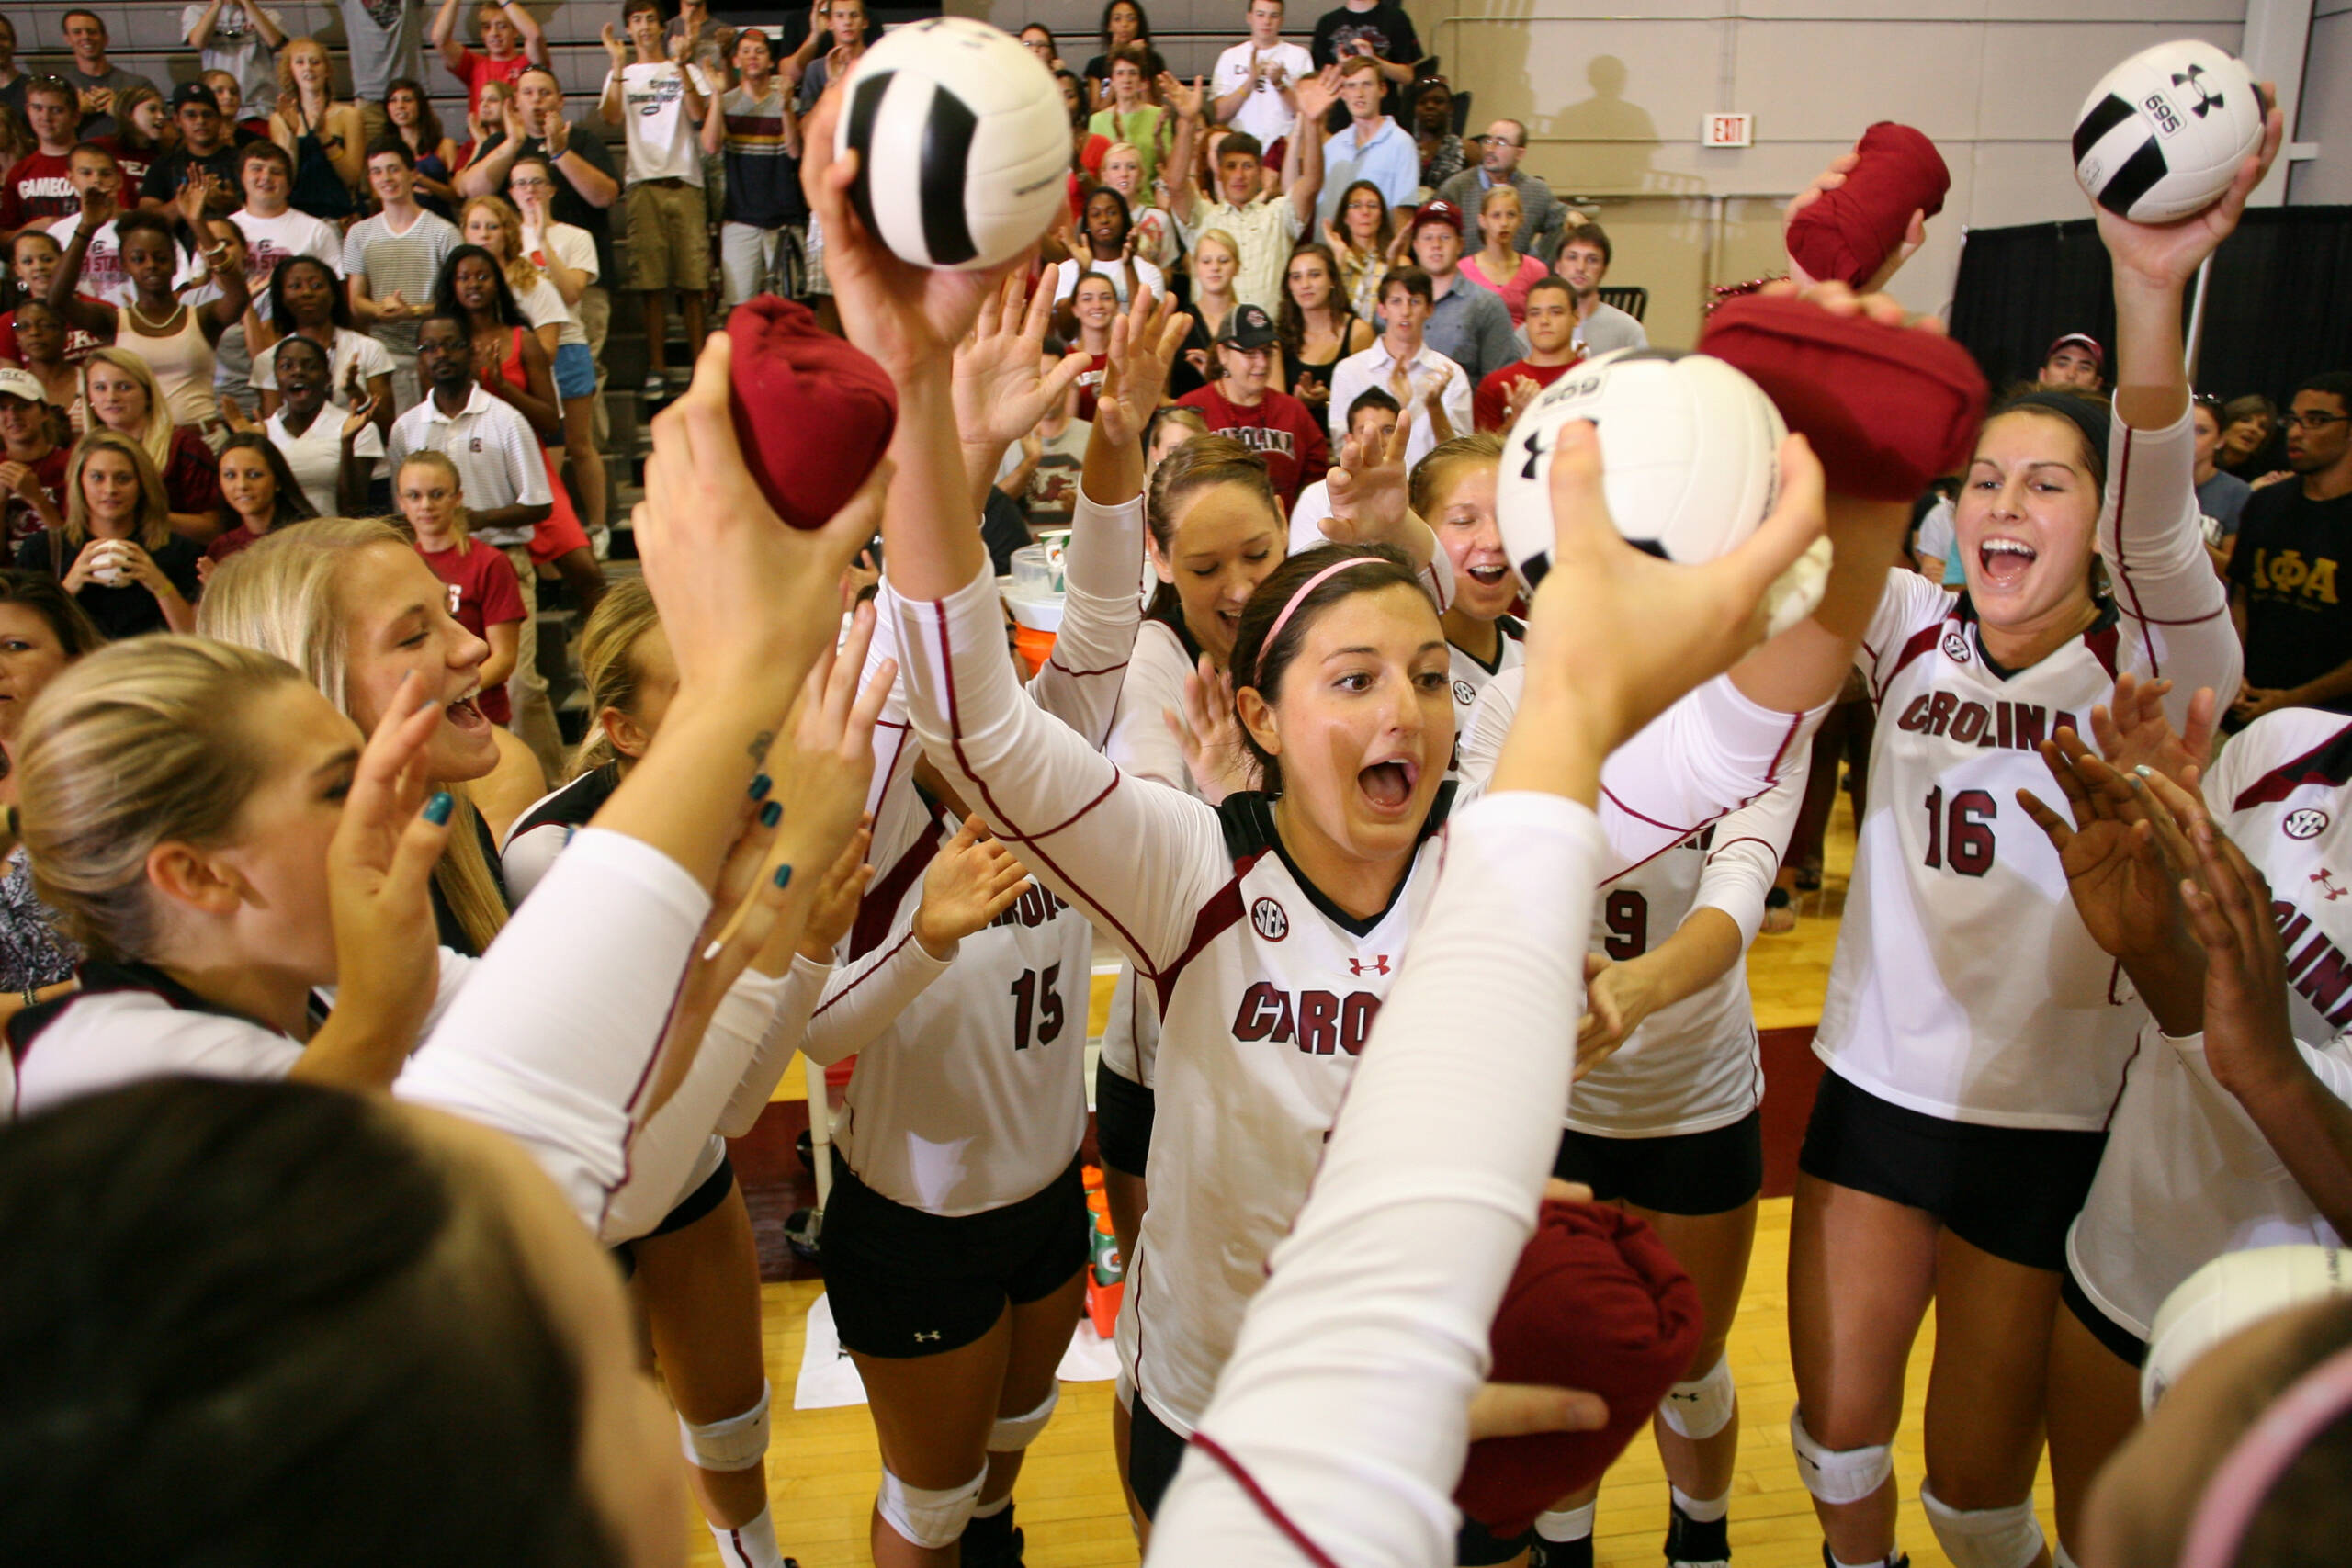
(241, 37)
(1252, 81)
(661, 103)
(1264, 227)
(511, 42)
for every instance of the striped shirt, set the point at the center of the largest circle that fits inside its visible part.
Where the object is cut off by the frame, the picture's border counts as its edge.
(763, 174)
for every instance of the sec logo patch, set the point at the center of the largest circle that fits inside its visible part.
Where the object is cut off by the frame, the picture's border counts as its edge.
(1956, 648)
(2308, 823)
(1465, 694)
(1267, 918)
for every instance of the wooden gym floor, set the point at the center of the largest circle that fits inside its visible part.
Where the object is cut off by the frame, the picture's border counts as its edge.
(822, 1465)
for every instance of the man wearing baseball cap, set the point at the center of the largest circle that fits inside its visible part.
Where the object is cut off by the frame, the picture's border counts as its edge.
(1241, 403)
(207, 149)
(32, 467)
(1468, 324)
(2076, 361)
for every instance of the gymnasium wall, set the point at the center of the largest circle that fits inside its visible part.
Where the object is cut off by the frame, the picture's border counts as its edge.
(2327, 118)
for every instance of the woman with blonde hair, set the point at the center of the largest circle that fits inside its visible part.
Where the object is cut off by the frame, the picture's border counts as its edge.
(1217, 259)
(119, 393)
(1499, 268)
(129, 571)
(324, 138)
(483, 592)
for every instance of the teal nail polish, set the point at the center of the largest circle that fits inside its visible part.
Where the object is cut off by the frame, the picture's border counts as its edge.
(437, 809)
(783, 877)
(760, 785)
(771, 814)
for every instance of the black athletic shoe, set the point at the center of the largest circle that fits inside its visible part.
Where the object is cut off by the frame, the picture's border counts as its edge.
(993, 1543)
(1689, 1545)
(1560, 1553)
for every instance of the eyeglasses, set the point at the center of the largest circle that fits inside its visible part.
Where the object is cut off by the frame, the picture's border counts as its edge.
(2312, 421)
(1497, 141)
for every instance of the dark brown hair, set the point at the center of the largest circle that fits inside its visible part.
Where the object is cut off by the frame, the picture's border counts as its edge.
(1261, 664)
(1201, 463)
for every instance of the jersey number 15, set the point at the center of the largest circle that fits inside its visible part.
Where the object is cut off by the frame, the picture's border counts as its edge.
(1033, 996)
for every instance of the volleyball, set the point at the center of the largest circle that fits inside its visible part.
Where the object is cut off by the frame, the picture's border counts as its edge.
(2162, 134)
(962, 143)
(1689, 460)
(2232, 1292)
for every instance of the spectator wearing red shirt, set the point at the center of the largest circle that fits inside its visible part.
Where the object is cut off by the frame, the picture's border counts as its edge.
(1551, 329)
(33, 256)
(511, 41)
(32, 475)
(1092, 304)
(484, 594)
(1241, 404)
(40, 186)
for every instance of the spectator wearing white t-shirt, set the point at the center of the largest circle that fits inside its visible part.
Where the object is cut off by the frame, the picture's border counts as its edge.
(1252, 82)
(91, 167)
(661, 105)
(273, 230)
(242, 37)
(331, 450)
(306, 300)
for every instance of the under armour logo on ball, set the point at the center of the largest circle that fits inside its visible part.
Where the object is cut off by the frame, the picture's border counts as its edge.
(922, 1337)
(2194, 79)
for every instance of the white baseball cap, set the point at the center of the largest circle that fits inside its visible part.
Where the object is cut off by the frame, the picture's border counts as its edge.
(18, 382)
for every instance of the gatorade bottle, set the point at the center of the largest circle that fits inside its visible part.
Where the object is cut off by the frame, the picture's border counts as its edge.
(1103, 1252)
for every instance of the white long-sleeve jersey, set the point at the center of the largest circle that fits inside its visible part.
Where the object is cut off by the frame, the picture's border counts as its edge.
(1964, 985)
(2188, 1176)
(1266, 991)
(551, 1037)
(970, 1094)
(1697, 1065)
(1338, 1429)
(1141, 748)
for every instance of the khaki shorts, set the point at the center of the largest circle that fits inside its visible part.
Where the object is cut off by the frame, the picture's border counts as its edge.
(669, 242)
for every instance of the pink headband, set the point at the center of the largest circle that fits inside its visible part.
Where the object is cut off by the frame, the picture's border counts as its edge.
(1310, 586)
(2311, 1404)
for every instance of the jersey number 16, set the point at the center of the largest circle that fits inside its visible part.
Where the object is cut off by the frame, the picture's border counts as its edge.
(1964, 836)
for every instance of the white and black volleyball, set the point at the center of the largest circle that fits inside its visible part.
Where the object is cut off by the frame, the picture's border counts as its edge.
(961, 141)
(2162, 134)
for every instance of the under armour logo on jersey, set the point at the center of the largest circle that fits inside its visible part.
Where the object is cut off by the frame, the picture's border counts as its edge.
(1267, 918)
(1956, 647)
(1379, 965)
(1464, 692)
(2308, 823)
(921, 1338)
(2327, 884)
(2194, 80)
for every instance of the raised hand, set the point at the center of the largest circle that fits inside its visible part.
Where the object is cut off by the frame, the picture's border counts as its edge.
(362, 414)
(614, 46)
(1914, 233)
(901, 314)
(1001, 393)
(2249, 1037)
(1516, 398)
(2115, 872)
(834, 910)
(1315, 95)
(1145, 339)
(379, 870)
(232, 416)
(1368, 487)
(98, 209)
(2166, 255)
(971, 881)
(1210, 735)
(1185, 101)
(2134, 730)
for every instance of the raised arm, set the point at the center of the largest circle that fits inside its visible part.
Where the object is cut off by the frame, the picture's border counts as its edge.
(1303, 159)
(608, 102)
(199, 32)
(444, 37)
(535, 39)
(97, 319)
(1184, 191)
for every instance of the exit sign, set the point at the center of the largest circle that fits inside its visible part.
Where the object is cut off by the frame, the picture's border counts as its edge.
(1728, 130)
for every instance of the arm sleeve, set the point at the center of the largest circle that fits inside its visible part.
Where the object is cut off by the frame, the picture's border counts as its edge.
(862, 998)
(1746, 859)
(501, 591)
(1080, 683)
(1139, 742)
(2330, 1063)
(794, 998)
(1141, 861)
(1342, 1417)
(1713, 751)
(554, 1038)
(2176, 612)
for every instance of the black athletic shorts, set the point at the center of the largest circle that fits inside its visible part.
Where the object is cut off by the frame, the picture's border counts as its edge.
(2010, 1191)
(2128, 1347)
(904, 1282)
(692, 1207)
(1123, 1114)
(1682, 1173)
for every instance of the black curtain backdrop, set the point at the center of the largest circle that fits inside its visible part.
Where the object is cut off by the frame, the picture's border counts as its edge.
(2278, 310)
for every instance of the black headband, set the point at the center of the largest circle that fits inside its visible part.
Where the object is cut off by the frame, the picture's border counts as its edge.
(2089, 416)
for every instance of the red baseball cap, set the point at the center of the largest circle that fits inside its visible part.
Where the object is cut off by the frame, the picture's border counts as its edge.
(2083, 341)
(1444, 212)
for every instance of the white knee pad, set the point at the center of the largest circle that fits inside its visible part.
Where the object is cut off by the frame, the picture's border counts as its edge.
(1013, 1433)
(928, 1518)
(1838, 1475)
(1983, 1538)
(740, 1442)
(1703, 1406)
